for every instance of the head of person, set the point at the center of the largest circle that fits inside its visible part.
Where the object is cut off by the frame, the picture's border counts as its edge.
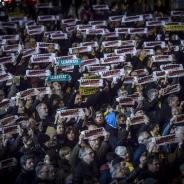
(21, 107)
(173, 100)
(99, 118)
(60, 129)
(45, 171)
(56, 86)
(118, 168)
(27, 162)
(143, 137)
(121, 118)
(158, 50)
(78, 99)
(42, 110)
(175, 110)
(154, 129)
(94, 142)
(151, 94)
(86, 154)
(122, 152)
(29, 101)
(71, 133)
(153, 163)
(65, 153)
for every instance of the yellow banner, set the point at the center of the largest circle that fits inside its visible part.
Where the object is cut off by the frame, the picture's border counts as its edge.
(174, 28)
(92, 76)
(87, 91)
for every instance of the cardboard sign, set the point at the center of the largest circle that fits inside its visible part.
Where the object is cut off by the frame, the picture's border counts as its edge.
(59, 78)
(65, 57)
(43, 58)
(9, 25)
(78, 50)
(44, 5)
(92, 44)
(97, 22)
(12, 48)
(95, 31)
(12, 129)
(10, 37)
(146, 79)
(137, 30)
(10, 162)
(98, 68)
(141, 72)
(175, 73)
(29, 52)
(136, 18)
(58, 36)
(166, 19)
(116, 18)
(163, 140)
(8, 120)
(174, 28)
(87, 91)
(153, 44)
(69, 22)
(83, 28)
(116, 43)
(136, 120)
(47, 34)
(68, 62)
(101, 7)
(95, 133)
(111, 60)
(7, 59)
(89, 62)
(177, 13)
(126, 51)
(171, 89)
(156, 23)
(71, 113)
(168, 67)
(112, 73)
(91, 83)
(27, 93)
(126, 101)
(37, 73)
(121, 30)
(162, 58)
(35, 29)
(128, 80)
(159, 74)
(5, 77)
(44, 45)
(46, 18)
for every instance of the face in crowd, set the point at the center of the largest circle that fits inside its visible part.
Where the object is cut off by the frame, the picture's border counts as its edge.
(42, 111)
(99, 118)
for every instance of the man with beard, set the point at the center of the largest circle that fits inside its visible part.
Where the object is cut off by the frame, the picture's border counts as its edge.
(27, 174)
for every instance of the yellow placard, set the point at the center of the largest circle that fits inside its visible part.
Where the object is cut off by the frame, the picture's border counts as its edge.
(86, 91)
(174, 28)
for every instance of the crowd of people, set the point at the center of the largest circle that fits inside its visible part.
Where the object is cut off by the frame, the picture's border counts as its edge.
(91, 92)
